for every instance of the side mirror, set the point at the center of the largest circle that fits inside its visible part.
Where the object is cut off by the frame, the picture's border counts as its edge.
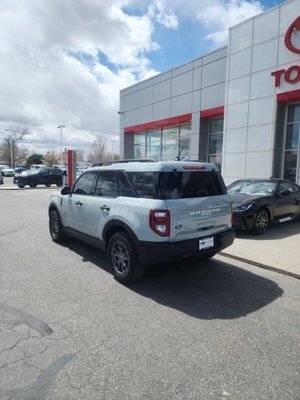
(66, 190)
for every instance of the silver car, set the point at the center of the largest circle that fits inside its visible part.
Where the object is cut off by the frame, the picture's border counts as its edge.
(145, 212)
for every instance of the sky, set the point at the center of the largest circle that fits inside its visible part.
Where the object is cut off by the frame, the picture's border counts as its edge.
(65, 61)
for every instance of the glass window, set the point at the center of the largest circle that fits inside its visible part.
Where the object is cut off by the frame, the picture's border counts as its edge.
(216, 125)
(189, 184)
(215, 141)
(292, 143)
(163, 143)
(139, 145)
(125, 188)
(106, 185)
(85, 183)
(153, 144)
(290, 165)
(143, 183)
(215, 144)
(185, 140)
(170, 143)
(294, 113)
(292, 136)
(286, 186)
(217, 160)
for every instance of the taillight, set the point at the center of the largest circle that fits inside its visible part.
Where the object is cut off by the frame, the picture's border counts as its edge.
(159, 221)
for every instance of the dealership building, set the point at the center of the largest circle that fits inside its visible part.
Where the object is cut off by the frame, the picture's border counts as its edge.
(238, 106)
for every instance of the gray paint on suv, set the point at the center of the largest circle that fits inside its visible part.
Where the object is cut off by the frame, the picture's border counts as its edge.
(145, 212)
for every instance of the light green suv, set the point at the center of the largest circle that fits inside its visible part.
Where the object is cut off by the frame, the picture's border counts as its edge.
(145, 212)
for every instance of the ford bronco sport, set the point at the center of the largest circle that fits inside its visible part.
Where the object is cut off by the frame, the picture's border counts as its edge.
(145, 212)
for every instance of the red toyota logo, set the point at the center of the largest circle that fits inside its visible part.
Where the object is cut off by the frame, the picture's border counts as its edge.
(288, 36)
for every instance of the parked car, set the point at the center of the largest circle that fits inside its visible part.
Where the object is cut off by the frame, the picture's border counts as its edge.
(7, 172)
(145, 212)
(259, 202)
(18, 170)
(39, 176)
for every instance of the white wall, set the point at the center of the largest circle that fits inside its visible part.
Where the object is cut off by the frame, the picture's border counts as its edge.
(256, 49)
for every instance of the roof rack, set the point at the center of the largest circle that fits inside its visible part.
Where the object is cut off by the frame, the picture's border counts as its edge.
(99, 164)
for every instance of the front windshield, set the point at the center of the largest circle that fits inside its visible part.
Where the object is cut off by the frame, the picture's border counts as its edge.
(261, 188)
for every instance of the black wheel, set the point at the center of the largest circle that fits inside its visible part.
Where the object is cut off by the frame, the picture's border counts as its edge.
(55, 227)
(261, 222)
(33, 184)
(21, 185)
(48, 184)
(124, 260)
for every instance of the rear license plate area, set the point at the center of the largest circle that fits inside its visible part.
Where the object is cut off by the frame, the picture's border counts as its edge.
(206, 243)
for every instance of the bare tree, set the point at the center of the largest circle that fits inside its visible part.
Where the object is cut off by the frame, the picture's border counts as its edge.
(98, 152)
(51, 158)
(10, 138)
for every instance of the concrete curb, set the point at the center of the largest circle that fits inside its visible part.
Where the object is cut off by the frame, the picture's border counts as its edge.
(260, 265)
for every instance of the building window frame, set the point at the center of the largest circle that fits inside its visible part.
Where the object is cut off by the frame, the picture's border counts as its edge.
(291, 171)
(215, 140)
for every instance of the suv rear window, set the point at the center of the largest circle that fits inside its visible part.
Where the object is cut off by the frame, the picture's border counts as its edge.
(177, 185)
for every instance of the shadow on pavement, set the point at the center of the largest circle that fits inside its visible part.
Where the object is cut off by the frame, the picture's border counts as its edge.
(277, 231)
(207, 290)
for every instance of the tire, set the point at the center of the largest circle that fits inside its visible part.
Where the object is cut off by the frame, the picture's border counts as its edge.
(55, 227)
(261, 222)
(21, 185)
(48, 184)
(33, 184)
(123, 256)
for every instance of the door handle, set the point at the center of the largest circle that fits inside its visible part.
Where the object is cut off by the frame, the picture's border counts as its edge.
(78, 203)
(105, 207)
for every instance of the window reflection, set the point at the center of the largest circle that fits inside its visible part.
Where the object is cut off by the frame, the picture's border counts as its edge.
(163, 144)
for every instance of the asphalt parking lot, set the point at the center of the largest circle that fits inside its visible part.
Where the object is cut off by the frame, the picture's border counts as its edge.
(220, 330)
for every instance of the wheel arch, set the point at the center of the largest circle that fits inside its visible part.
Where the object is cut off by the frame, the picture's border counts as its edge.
(115, 226)
(52, 207)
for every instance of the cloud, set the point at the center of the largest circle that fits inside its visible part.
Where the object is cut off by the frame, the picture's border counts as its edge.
(157, 11)
(220, 15)
(66, 61)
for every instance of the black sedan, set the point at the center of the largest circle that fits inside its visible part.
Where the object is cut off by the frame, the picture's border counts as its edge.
(41, 176)
(258, 202)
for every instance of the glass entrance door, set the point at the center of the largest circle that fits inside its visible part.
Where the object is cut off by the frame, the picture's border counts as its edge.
(292, 144)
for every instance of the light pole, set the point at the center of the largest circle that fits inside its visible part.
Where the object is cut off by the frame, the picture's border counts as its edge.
(61, 126)
(11, 154)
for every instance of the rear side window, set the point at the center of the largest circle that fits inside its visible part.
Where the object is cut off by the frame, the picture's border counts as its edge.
(144, 183)
(125, 188)
(107, 184)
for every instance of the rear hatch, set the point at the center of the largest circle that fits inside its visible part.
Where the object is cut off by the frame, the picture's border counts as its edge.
(196, 198)
(201, 217)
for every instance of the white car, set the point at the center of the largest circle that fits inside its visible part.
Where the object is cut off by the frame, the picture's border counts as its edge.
(7, 172)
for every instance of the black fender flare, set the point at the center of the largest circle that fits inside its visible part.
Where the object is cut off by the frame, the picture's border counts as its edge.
(115, 226)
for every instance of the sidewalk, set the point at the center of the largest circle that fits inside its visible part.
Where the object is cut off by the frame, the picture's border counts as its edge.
(277, 250)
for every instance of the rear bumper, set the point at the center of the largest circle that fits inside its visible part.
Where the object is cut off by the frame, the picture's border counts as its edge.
(150, 252)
